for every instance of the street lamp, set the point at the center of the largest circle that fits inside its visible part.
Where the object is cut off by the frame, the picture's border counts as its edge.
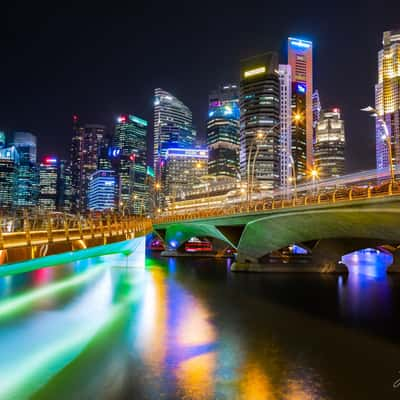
(386, 137)
(157, 187)
(296, 118)
(293, 178)
(314, 175)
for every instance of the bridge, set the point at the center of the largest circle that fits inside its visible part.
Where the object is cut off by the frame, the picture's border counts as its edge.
(32, 235)
(325, 225)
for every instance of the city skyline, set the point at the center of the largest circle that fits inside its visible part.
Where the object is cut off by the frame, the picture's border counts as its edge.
(50, 118)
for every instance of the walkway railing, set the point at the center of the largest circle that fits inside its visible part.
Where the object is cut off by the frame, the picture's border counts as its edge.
(323, 198)
(31, 229)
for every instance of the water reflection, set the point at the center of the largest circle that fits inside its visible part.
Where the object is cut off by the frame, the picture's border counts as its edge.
(367, 290)
(183, 329)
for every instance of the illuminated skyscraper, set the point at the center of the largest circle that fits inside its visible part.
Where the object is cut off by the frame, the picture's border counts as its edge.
(172, 126)
(48, 182)
(285, 79)
(2, 140)
(223, 132)
(130, 149)
(300, 58)
(299, 131)
(86, 144)
(330, 145)
(26, 145)
(183, 169)
(64, 187)
(316, 101)
(102, 191)
(387, 98)
(27, 175)
(9, 160)
(259, 121)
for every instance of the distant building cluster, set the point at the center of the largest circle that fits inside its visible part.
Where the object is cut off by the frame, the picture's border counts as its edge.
(267, 132)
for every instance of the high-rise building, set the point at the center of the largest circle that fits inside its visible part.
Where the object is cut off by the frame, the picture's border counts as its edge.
(286, 158)
(330, 145)
(102, 191)
(299, 131)
(64, 187)
(26, 145)
(259, 121)
(223, 132)
(300, 58)
(183, 169)
(48, 182)
(2, 140)
(173, 126)
(130, 145)
(316, 101)
(87, 142)
(387, 98)
(27, 175)
(9, 160)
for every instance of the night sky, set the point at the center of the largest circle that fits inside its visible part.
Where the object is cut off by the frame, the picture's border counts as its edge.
(98, 62)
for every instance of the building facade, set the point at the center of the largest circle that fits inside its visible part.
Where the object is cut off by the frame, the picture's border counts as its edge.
(317, 108)
(173, 127)
(286, 158)
(184, 168)
(2, 140)
(259, 122)
(130, 147)
(330, 145)
(26, 192)
(9, 160)
(387, 99)
(102, 191)
(87, 142)
(300, 58)
(64, 187)
(48, 183)
(299, 131)
(223, 132)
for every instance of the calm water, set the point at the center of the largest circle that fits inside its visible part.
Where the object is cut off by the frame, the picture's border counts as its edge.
(117, 328)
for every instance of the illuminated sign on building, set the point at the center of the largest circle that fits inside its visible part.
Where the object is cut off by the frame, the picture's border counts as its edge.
(302, 44)
(50, 160)
(114, 152)
(197, 153)
(255, 71)
(301, 88)
(138, 120)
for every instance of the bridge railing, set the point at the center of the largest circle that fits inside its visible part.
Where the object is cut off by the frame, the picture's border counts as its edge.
(31, 229)
(318, 198)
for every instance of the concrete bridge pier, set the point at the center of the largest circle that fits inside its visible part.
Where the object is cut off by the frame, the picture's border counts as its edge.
(325, 258)
(395, 267)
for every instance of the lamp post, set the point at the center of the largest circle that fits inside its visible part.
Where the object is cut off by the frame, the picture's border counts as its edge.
(314, 175)
(157, 187)
(293, 178)
(250, 176)
(386, 137)
(296, 118)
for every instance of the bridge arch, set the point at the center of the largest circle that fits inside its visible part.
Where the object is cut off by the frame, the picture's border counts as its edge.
(178, 234)
(336, 232)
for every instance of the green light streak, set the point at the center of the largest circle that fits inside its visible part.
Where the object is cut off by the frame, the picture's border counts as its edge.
(41, 366)
(126, 247)
(20, 302)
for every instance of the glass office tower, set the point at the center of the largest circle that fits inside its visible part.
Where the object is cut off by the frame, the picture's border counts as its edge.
(223, 132)
(130, 149)
(259, 122)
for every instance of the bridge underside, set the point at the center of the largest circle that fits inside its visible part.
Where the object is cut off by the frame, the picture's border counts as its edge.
(327, 235)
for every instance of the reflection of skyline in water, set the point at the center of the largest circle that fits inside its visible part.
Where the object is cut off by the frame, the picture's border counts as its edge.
(110, 329)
